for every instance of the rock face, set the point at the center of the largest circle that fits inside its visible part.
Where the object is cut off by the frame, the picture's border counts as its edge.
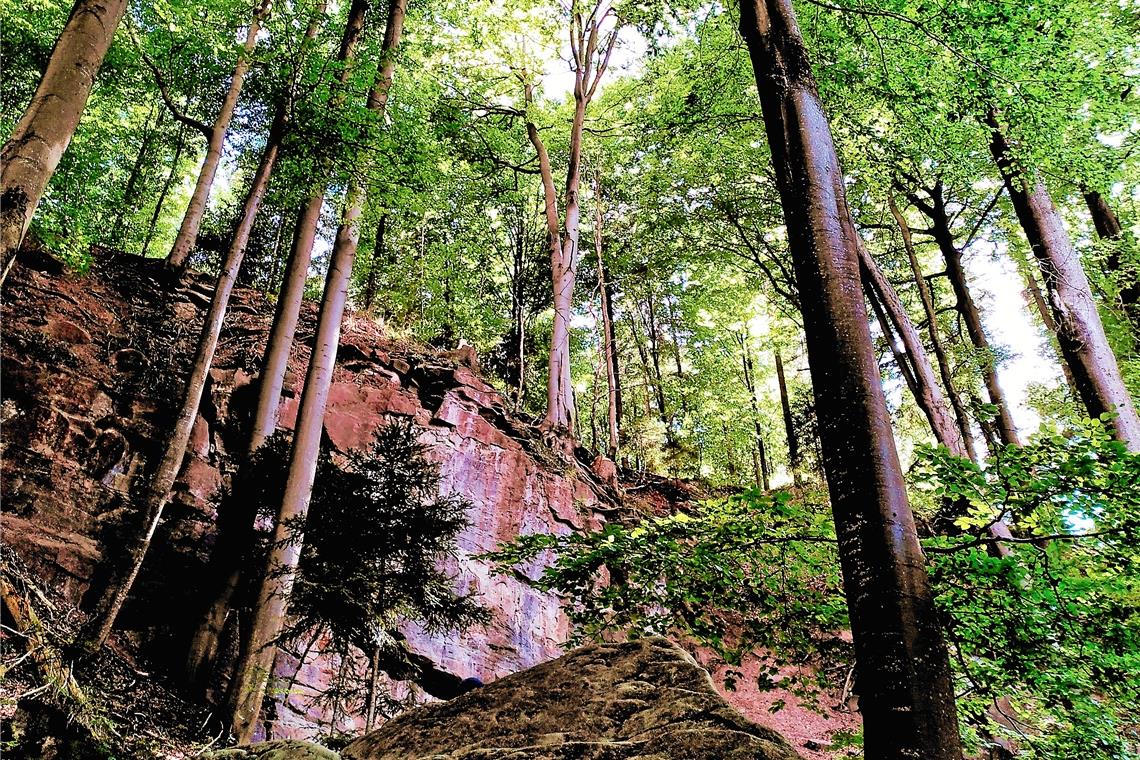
(640, 700)
(92, 371)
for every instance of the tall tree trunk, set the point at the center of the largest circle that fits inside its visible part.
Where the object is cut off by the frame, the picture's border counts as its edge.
(591, 54)
(166, 473)
(940, 355)
(653, 338)
(927, 392)
(789, 423)
(188, 233)
(31, 155)
(1034, 294)
(1079, 329)
(247, 690)
(373, 688)
(236, 530)
(896, 350)
(903, 672)
(956, 273)
(760, 454)
(609, 347)
(170, 175)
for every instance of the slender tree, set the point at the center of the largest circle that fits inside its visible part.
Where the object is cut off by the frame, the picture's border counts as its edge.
(236, 531)
(31, 155)
(590, 51)
(158, 493)
(935, 208)
(931, 315)
(609, 344)
(793, 439)
(275, 360)
(926, 390)
(1079, 329)
(247, 690)
(903, 671)
(187, 236)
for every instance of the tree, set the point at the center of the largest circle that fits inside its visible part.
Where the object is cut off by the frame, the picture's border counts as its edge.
(1079, 328)
(248, 686)
(32, 153)
(908, 705)
(590, 51)
(215, 137)
(374, 540)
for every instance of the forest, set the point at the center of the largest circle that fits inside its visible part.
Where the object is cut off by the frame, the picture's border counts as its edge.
(860, 277)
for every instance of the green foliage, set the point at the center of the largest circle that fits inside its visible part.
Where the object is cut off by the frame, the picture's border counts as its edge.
(751, 571)
(1053, 629)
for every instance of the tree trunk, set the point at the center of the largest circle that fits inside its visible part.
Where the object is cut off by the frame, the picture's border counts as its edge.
(760, 455)
(609, 346)
(927, 392)
(166, 473)
(1079, 329)
(170, 175)
(904, 683)
(373, 688)
(965, 431)
(1108, 227)
(956, 273)
(1034, 294)
(188, 233)
(896, 350)
(655, 355)
(789, 423)
(130, 191)
(32, 153)
(247, 690)
(377, 257)
(236, 531)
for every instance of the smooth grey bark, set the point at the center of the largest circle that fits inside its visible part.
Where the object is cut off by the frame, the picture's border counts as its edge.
(247, 690)
(903, 673)
(30, 156)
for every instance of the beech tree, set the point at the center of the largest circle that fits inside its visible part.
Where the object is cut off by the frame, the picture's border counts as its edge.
(903, 671)
(36, 145)
(215, 137)
(247, 690)
(593, 35)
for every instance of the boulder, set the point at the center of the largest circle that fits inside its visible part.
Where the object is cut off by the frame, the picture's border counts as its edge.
(640, 700)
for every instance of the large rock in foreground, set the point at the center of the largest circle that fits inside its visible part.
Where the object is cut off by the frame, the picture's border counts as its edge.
(641, 700)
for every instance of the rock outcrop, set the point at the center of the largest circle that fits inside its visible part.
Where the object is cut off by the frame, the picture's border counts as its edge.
(639, 700)
(92, 370)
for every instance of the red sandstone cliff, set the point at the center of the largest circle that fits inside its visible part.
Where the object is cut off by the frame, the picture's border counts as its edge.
(91, 368)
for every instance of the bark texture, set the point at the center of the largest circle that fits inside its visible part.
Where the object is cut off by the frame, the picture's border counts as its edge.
(1079, 330)
(903, 674)
(939, 348)
(927, 392)
(187, 236)
(158, 492)
(32, 153)
(247, 690)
